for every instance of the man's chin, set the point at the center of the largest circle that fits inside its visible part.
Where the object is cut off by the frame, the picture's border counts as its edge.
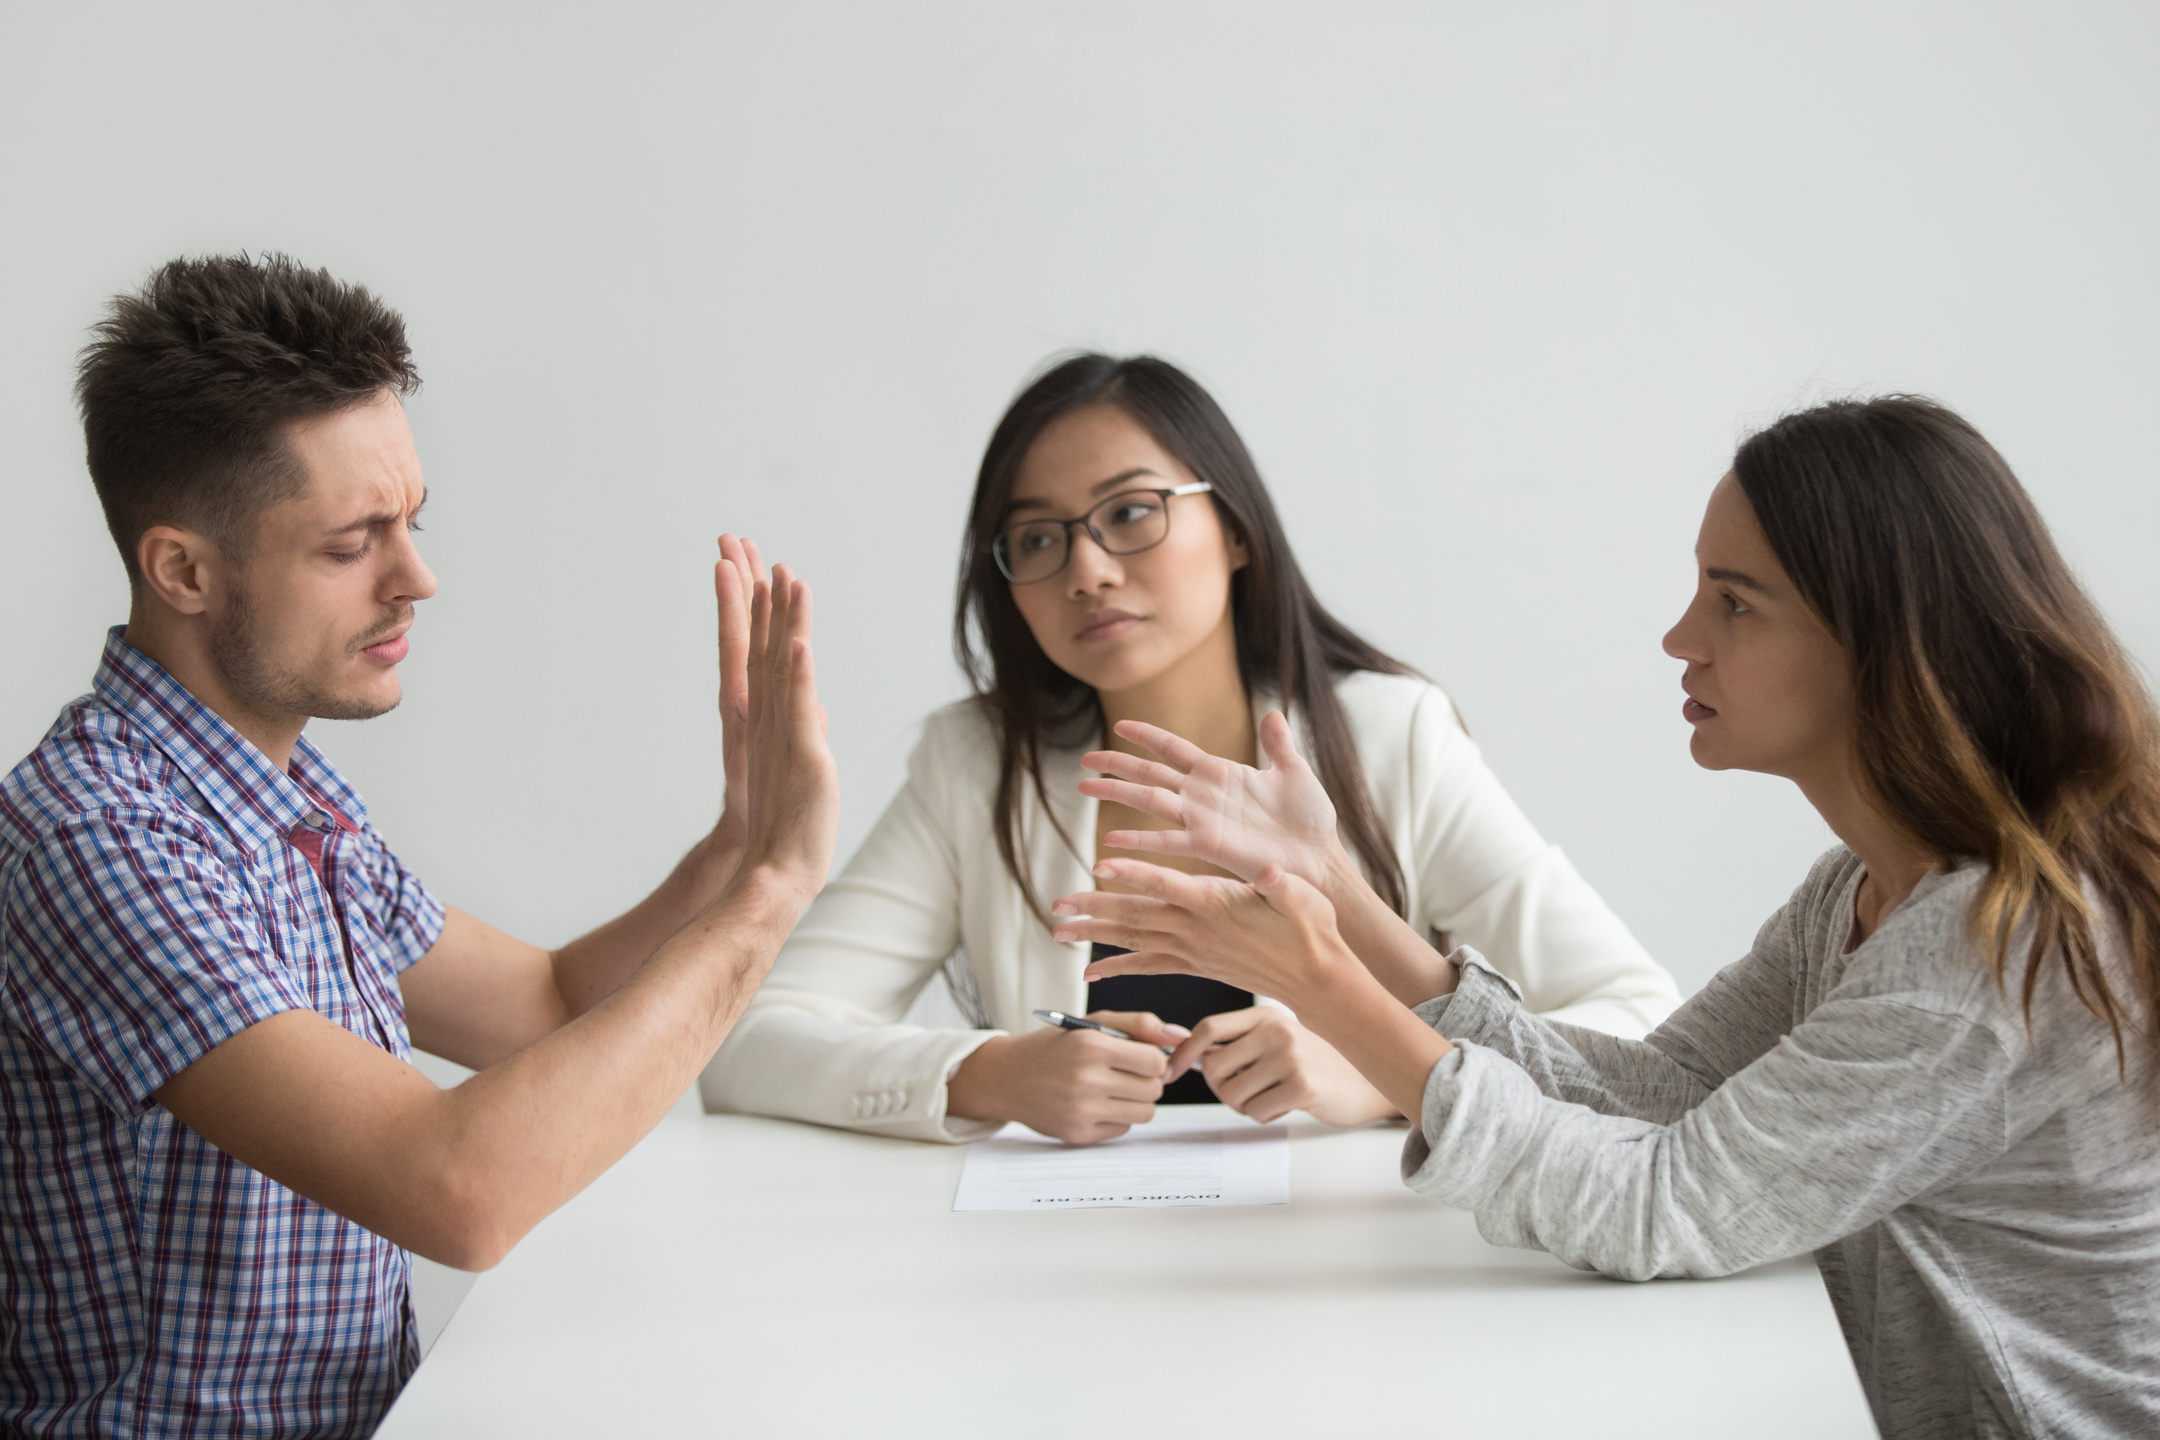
(380, 701)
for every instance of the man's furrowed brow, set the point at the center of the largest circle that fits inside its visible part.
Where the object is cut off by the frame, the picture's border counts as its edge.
(378, 519)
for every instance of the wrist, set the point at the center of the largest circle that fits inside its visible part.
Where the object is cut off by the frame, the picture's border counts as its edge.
(1342, 882)
(765, 886)
(1331, 972)
(1331, 989)
(723, 844)
(972, 1090)
(1388, 1045)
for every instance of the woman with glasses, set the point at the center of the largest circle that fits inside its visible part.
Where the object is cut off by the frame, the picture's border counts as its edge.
(1124, 562)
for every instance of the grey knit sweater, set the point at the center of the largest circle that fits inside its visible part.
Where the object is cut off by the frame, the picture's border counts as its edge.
(1984, 1203)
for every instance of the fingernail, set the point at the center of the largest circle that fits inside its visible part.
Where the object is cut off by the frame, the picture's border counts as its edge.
(1103, 871)
(1064, 935)
(1179, 1031)
(1064, 908)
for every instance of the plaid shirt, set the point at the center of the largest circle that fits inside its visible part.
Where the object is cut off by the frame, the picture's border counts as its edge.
(157, 897)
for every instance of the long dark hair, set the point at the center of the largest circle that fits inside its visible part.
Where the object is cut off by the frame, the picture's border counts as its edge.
(1998, 717)
(1286, 641)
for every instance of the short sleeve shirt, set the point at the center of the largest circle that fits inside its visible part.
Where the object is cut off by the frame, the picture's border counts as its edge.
(164, 886)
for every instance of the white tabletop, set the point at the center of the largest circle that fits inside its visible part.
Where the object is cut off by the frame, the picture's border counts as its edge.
(745, 1277)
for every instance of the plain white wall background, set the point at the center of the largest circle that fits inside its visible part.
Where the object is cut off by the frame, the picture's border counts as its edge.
(1491, 290)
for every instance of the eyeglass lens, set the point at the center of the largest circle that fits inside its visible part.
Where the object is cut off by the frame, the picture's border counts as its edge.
(1122, 525)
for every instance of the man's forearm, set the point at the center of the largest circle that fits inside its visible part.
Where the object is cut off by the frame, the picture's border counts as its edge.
(460, 1175)
(524, 1136)
(589, 968)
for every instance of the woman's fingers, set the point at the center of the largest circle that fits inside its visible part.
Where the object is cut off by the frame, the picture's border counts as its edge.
(1241, 1087)
(1254, 1048)
(1131, 767)
(1151, 880)
(1148, 800)
(1126, 936)
(1160, 842)
(1123, 1112)
(1181, 753)
(1215, 1030)
(1139, 962)
(1142, 1025)
(1109, 905)
(1277, 742)
(1287, 894)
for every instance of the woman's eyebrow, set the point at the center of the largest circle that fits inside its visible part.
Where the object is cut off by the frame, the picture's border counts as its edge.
(1096, 489)
(1736, 577)
(1121, 477)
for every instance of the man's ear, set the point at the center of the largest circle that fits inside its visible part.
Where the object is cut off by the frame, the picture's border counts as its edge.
(177, 567)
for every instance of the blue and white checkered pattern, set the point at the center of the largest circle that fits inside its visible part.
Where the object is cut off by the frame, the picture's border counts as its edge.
(153, 904)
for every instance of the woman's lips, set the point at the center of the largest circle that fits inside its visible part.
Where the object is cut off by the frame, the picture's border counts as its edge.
(1693, 710)
(1108, 626)
(388, 652)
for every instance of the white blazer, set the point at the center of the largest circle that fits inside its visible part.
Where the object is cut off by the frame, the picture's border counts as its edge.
(821, 1040)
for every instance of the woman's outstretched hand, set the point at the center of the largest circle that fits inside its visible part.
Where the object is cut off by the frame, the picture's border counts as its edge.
(1244, 821)
(1274, 937)
(1229, 815)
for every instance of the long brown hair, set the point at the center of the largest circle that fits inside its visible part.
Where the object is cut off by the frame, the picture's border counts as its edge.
(1286, 640)
(1998, 716)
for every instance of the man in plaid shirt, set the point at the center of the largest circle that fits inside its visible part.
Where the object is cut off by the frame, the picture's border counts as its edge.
(216, 1154)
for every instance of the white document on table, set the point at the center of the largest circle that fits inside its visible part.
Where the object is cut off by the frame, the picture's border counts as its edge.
(1186, 1155)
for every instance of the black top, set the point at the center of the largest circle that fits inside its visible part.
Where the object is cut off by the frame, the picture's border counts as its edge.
(1174, 999)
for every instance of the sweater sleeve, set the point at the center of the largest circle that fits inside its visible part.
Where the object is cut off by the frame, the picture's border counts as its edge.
(1486, 877)
(1715, 1034)
(821, 1041)
(1641, 1159)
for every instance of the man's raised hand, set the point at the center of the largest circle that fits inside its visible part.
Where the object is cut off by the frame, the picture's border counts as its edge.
(792, 786)
(735, 579)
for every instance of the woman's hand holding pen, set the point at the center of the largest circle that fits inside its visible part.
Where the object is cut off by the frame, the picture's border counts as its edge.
(1080, 1086)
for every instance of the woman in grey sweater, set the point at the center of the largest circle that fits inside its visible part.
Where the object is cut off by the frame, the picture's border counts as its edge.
(1935, 1069)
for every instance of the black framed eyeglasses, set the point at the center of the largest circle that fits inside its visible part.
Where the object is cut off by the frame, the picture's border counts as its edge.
(1027, 551)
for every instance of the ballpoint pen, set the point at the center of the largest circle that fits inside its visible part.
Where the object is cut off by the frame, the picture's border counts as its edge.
(1073, 1022)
